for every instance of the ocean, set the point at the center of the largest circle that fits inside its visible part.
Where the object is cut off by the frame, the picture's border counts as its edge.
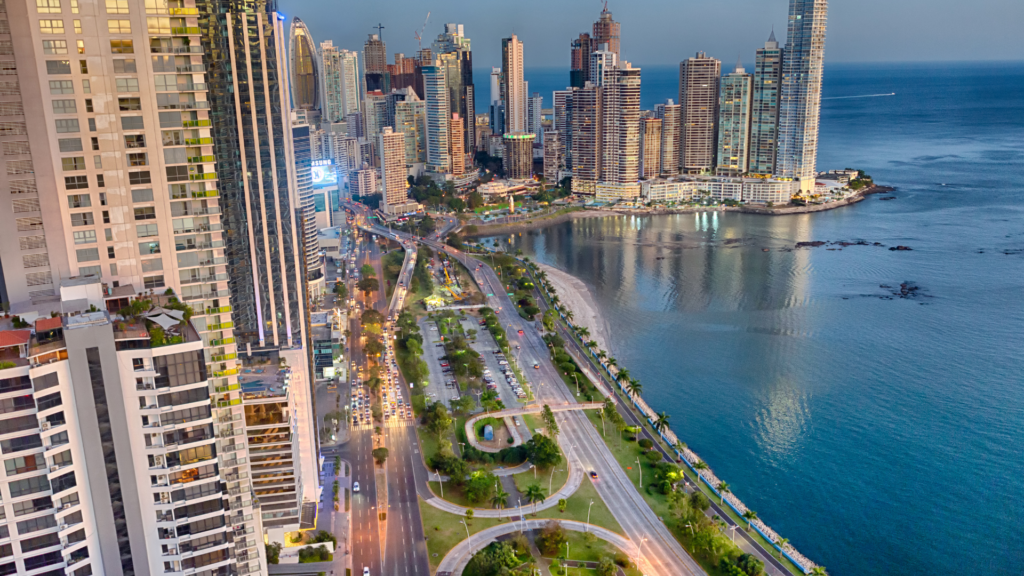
(881, 432)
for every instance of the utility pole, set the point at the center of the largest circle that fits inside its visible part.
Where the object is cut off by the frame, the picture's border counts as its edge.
(587, 528)
(641, 469)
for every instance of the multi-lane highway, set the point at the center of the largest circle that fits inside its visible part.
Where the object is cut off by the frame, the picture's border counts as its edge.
(661, 553)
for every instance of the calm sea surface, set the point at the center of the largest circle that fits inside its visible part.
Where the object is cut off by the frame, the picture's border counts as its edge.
(882, 435)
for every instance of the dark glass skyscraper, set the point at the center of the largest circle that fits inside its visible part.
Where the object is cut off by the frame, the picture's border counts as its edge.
(764, 125)
(244, 47)
(304, 70)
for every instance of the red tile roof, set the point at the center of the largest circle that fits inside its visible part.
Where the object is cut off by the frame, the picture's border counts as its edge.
(44, 324)
(10, 338)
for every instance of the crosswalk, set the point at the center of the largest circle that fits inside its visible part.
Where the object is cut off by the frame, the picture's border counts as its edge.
(389, 422)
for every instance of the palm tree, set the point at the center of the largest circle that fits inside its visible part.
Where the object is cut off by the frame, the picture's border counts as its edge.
(499, 499)
(750, 516)
(680, 445)
(591, 344)
(612, 362)
(534, 493)
(723, 489)
(623, 375)
(568, 314)
(698, 466)
(818, 571)
(634, 387)
(782, 544)
(602, 354)
(582, 331)
(555, 300)
(661, 423)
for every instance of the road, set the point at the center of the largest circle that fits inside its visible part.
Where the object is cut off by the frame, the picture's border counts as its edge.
(662, 555)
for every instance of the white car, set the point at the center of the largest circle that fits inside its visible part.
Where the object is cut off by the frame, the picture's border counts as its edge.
(355, 486)
(366, 571)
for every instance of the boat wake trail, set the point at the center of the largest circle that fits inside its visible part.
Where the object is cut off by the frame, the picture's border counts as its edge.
(860, 96)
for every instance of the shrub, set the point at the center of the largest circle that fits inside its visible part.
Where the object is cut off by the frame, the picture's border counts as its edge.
(621, 559)
(653, 456)
(646, 443)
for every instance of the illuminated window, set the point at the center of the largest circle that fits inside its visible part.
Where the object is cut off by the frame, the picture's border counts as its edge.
(55, 47)
(117, 6)
(51, 26)
(121, 47)
(81, 46)
(119, 26)
(78, 26)
(156, 6)
(48, 6)
(158, 25)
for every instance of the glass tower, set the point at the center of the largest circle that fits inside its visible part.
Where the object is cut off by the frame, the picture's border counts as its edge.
(800, 105)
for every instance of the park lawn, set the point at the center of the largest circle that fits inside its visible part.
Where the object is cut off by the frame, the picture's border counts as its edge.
(576, 509)
(478, 426)
(443, 531)
(544, 478)
(533, 421)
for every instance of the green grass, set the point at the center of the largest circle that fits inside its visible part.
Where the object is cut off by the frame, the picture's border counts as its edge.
(478, 426)
(576, 509)
(443, 530)
(544, 478)
(533, 421)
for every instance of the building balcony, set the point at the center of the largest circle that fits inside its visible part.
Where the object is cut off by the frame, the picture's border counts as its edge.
(199, 228)
(221, 326)
(207, 295)
(200, 211)
(185, 106)
(221, 310)
(201, 159)
(229, 387)
(176, 49)
(204, 279)
(185, 31)
(222, 341)
(194, 87)
(198, 141)
(195, 123)
(186, 246)
(183, 11)
(204, 176)
(222, 358)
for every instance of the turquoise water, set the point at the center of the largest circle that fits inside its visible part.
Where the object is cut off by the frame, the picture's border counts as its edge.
(882, 435)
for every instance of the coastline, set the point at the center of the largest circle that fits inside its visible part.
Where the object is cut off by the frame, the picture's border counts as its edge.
(575, 295)
(497, 230)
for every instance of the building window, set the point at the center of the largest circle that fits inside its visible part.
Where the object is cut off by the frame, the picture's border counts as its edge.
(110, 252)
(85, 237)
(96, 271)
(117, 6)
(141, 177)
(138, 159)
(172, 137)
(132, 122)
(65, 107)
(86, 87)
(127, 104)
(127, 84)
(79, 201)
(106, 217)
(78, 26)
(108, 234)
(48, 6)
(58, 66)
(103, 198)
(87, 254)
(123, 66)
(23, 465)
(83, 66)
(146, 230)
(147, 248)
(177, 173)
(95, 143)
(69, 144)
(153, 281)
(83, 219)
(81, 46)
(121, 47)
(99, 181)
(55, 46)
(158, 25)
(92, 124)
(51, 26)
(152, 265)
(119, 26)
(88, 105)
(65, 126)
(73, 163)
(97, 162)
(142, 195)
(135, 141)
(147, 213)
(62, 87)
(76, 182)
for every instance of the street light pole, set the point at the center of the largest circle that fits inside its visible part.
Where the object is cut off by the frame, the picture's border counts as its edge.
(638, 548)
(440, 483)
(551, 478)
(468, 537)
(587, 528)
(641, 469)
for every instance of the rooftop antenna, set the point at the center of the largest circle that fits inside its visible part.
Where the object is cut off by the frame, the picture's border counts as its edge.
(419, 35)
(379, 27)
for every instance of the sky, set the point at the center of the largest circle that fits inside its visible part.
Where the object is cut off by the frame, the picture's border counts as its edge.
(666, 31)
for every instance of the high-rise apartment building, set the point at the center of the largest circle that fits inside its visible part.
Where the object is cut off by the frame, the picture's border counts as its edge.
(587, 106)
(339, 82)
(458, 59)
(535, 115)
(411, 120)
(513, 87)
(764, 113)
(554, 161)
(579, 65)
(435, 89)
(734, 123)
(392, 171)
(800, 102)
(620, 121)
(302, 146)
(497, 106)
(607, 31)
(364, 181)
(650, 147)
(670, 142)
(602, 60)
(698, 98)
(518, 158)
(375, 55)
(375, 114)
(456, 144)
(561, 111)
(305, 73)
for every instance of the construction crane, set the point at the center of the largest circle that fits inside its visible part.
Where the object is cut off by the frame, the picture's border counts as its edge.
(419, 35)
(380, 30)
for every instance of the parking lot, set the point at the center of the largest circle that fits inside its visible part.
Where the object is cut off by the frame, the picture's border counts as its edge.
(485, 345)
(441, 386)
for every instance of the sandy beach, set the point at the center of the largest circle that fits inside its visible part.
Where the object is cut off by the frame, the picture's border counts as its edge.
(577, 296)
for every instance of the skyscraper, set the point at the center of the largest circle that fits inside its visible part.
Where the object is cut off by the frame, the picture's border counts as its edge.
(497, 109)
(375, 62)
(764, 124)
(392, 170)
(330, 82)
(669, 113)
(435, 89)
(606, 31)
(620, 121)
(579, 65)
(534, 115)
(301, 145)
(350, 84)
(800, 106)
(554, 160)
(411, 119)
(650, 147)
(586, 138)
(518, 159)
(698, 98)
(375, 114)
(457, 55)
(602, 60)
(513, 89)
(305, 80)
(734, 123)
(457, 142)
(562, 119)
